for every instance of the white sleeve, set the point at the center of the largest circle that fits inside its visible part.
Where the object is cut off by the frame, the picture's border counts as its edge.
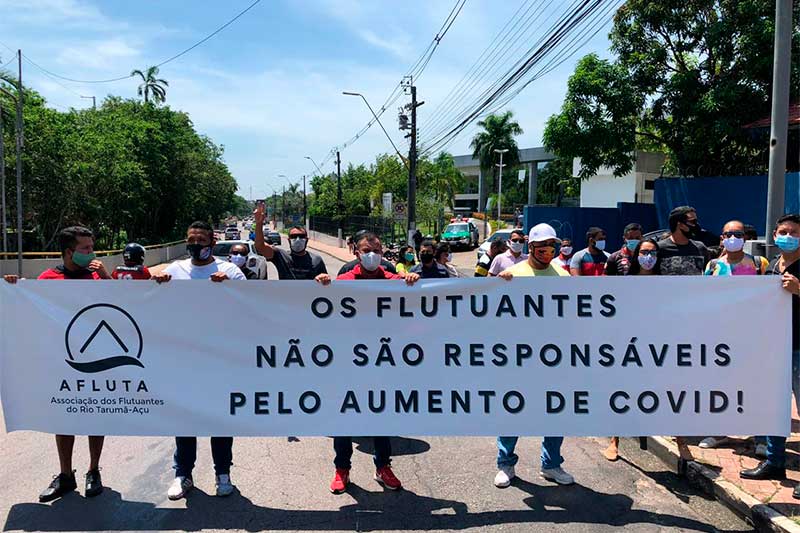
(495, 268)
(233, 272)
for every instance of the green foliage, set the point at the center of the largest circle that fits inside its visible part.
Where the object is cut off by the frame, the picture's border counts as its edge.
(703, 69)
(128, 170)
(598, 118)
(556, 182)
(151, 85)
(498, 134)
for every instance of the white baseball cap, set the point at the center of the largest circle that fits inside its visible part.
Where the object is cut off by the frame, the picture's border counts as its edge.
(543, 232)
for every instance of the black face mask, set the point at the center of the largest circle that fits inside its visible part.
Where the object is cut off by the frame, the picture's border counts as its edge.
(426, 257)
(694, 229)
(199, 252)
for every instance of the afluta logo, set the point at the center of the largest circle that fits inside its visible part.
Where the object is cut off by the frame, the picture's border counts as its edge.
(101, 337)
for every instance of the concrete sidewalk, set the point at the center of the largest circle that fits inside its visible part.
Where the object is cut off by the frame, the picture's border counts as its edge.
(329, 245)
(768, 504)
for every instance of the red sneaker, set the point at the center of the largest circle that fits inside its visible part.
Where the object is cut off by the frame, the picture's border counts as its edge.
(386, 477)
(340, 481)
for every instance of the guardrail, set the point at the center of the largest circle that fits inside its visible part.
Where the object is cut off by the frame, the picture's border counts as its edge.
(34, 263)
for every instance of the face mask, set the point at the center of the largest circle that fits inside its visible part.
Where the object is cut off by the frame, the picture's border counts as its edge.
(733, 244)
(426, 257)
(787, 243)
(647, 262)
(631, 244)
(544, 254)
(600, 245)
(238, 260)
(83, 260)
(566, 251)
(409, 257)
(298, 245)
(199, 252)
(693, 231)
(516, 247)
(449, 258)
(370, 261)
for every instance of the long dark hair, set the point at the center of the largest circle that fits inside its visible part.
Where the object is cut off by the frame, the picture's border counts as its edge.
(635, 268)
(401, 258)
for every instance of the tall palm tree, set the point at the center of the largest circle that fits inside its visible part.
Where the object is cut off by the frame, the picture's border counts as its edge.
(498, 134)
(151, 85)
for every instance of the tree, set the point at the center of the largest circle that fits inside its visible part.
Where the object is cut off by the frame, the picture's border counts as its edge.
(151, 85)
(598, 118)
(498, 134)
(701, 70)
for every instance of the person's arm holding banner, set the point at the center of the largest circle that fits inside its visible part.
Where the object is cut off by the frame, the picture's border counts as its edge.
(12, 278)
(261, 245)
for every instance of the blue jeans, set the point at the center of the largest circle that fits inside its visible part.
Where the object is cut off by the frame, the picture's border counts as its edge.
(776, 446)
(551, 452)
(186, 455)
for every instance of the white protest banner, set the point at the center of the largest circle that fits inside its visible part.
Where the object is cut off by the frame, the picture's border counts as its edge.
(533, 356)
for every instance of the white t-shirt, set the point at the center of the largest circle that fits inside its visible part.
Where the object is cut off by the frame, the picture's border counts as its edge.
(184, 269)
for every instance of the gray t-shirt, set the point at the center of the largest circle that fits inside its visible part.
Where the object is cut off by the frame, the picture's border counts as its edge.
(292, 266)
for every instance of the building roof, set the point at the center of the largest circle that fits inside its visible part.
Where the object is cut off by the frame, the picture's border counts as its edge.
(526, 155)
(794, 118)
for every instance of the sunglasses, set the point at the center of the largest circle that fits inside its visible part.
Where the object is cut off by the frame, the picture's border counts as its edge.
(295, 237)
(652, 253)
(737, 234)
(517, 240)
(238, 253)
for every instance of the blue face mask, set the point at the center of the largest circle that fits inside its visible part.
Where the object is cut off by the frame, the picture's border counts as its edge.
(787, 243)
(631, 244)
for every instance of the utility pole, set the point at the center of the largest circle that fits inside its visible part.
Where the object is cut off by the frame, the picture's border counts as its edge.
(776, 187)
(412, 161)
(19, 164)
(339, 196)
(500, 181)
(283, 207)
(94, 101)
(305, 205)
(3, 183)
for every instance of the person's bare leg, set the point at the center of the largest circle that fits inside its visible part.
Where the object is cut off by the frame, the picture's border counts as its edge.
(64, 445)
(612, 452)
(95, 449)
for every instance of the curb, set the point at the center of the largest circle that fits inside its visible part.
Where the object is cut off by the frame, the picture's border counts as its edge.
(339, 253)
(761, 515)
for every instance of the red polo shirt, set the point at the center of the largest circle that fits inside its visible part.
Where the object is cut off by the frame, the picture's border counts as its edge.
(60, 272)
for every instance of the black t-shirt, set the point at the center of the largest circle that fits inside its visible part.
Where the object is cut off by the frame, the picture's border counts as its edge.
(249, 274)
(682, 259)
(618, 264)
(292, 266)
(436, 270)
(794, 269)
(347, 267)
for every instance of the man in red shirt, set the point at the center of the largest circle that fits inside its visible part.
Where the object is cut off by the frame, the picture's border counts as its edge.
(369, 252)
(134, 268)
(80, 262)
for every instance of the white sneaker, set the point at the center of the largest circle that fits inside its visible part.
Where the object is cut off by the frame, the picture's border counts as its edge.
(179, 488)
(712, 442)
(558, 475)
(761, 450)
(504, 477)
(224, 485)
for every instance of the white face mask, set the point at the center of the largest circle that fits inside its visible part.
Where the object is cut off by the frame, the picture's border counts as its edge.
(449, 258)
(600, 245)
(298, 245)
(566, 250)
(370, 261)
(733, 244)
(238, 260)
(516, 247)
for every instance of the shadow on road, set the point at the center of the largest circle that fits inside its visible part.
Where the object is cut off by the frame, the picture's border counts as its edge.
(371, 511)
(400, 446)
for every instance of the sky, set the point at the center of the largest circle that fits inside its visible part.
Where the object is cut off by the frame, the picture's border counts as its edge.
(269, 87)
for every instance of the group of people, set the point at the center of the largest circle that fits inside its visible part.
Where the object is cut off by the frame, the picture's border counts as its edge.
(677, 253)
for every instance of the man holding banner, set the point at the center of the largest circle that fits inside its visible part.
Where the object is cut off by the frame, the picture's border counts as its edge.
(80, 262)
(201, 265)
(542, 242)
(369, 252)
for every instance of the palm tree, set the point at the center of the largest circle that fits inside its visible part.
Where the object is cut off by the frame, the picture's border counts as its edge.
(498, 134)
(151, 85)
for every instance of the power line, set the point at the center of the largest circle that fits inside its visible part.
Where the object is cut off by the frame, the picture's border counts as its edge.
(176, 56)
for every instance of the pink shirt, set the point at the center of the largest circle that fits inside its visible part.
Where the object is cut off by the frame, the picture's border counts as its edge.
(505, 261)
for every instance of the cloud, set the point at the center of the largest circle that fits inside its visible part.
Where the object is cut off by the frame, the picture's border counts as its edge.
(98, 54)
(48, 13)
(400, 47)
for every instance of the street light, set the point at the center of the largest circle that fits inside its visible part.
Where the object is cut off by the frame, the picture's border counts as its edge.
(500, 181)
(315, 164)
(379, 123)
(93, 99)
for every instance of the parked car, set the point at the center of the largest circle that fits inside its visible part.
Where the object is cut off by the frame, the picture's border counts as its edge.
(461, 235)
(273, 237)
(232, 233)
(502, 234)
(255, 262)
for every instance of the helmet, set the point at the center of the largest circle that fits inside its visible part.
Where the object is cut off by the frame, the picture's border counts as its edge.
(134, 253)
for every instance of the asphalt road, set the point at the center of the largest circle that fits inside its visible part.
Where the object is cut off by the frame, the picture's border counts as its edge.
(283, 486)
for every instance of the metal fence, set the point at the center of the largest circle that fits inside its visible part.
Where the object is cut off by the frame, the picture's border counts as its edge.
(385, 228)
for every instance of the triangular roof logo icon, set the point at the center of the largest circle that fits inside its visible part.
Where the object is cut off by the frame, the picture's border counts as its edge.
(100, 326)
